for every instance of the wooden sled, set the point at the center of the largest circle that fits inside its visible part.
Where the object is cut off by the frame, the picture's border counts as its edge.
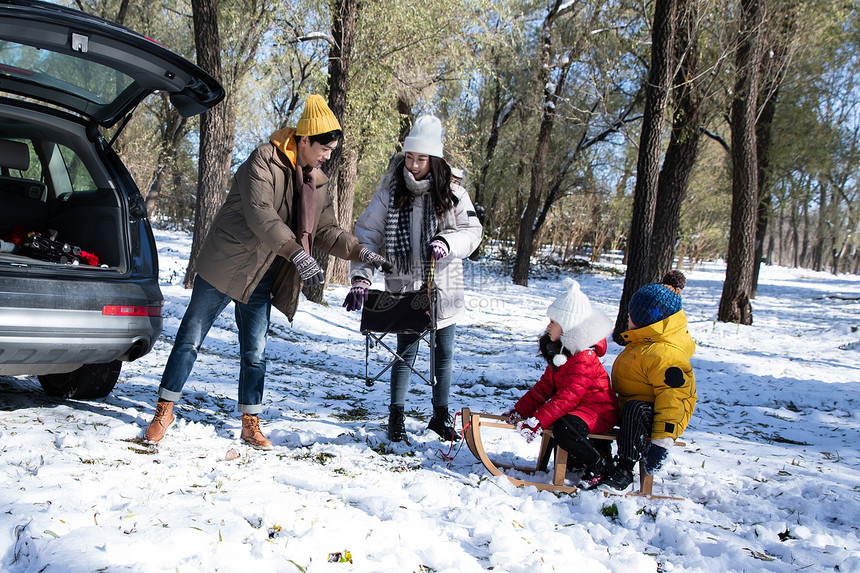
(472, 423)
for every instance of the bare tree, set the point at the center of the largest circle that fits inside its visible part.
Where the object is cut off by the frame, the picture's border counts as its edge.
(782, 43)
(683, 145)
(214, 155)
(647, 168)
(171, 133)
(552, 92)
(343, 166)
(735, 300)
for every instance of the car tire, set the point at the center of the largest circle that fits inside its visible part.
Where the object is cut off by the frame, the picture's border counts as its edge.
(88, 381)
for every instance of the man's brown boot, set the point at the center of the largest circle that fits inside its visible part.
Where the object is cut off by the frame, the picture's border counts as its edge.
(163, 419)
(251, 433)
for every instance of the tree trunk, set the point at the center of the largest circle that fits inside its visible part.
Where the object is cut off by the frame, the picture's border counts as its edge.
(214, 153)
(735, 301)
(763, 148)
(683, 144)
(804, 252)
(172, 133)
(818, 251)
(502, 111)
(346, 167)
(525, 237)
(341, 185)
(526, 234)
(648, 163)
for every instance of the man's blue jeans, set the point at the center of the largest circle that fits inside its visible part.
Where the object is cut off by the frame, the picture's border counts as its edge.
(401, 375)
(252, 320)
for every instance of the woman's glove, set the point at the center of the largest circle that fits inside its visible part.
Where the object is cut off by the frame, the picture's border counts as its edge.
(309, 271)
(529, 429)
(357, 295)
(439, 249)
(513, 416)
(657, 453)
(378, 261)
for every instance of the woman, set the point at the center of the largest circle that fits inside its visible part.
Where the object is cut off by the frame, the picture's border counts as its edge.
(419, 216)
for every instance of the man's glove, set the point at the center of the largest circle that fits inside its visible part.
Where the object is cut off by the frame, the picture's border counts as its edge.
(657, 453)
(529, 429)
(378, 261)
(309, 271)
(513, 416)
(439, 249)
(357, 295)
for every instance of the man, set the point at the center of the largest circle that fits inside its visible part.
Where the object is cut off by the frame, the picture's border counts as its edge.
(258, 254)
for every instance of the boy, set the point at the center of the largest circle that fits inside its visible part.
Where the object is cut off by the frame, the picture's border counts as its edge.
(654, 381)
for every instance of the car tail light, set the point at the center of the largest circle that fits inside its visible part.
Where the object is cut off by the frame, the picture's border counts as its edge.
(119, 310)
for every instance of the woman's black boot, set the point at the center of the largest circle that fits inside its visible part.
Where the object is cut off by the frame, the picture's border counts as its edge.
(442, 424)
(397, 424)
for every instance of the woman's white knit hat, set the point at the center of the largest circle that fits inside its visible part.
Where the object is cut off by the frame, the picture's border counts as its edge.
(425, 137)
(571, 308)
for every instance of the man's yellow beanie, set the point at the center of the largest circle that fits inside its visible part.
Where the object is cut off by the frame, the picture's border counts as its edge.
(317, 118)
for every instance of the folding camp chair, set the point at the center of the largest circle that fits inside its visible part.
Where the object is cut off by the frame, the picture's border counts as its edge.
(398, 313)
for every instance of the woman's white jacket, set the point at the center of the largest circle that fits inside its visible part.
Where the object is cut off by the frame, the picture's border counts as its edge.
(459, 228)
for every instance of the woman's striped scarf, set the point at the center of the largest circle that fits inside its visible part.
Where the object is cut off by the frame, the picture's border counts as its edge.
(398, 225)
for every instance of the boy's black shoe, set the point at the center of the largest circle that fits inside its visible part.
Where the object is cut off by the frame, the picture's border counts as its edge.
(397, 424)
(619, 478)
(442, 424)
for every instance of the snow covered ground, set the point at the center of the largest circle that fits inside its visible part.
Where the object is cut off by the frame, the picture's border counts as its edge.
(769, 477)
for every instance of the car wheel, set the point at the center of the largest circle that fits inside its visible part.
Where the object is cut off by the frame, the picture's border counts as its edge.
(88, 381)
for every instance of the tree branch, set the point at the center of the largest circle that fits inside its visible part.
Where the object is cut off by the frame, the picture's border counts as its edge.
(716, 138)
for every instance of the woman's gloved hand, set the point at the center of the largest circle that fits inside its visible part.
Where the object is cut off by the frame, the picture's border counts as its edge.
(357, 295)
(439, 249)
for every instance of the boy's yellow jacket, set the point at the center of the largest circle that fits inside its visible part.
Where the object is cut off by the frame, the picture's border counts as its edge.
(655, 367)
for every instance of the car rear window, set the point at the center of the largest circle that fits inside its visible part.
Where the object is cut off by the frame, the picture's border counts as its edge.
(73, 75)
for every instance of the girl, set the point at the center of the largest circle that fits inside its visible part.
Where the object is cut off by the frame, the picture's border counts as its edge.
(574, 394)
(419, 216)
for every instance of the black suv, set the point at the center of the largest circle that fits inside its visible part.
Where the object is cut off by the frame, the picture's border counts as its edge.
(79, 287)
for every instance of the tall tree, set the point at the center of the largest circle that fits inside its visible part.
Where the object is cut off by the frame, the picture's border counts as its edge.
(780, 44)
(344, 161)
(214, 155)
(549, 62)
(171, 134)
(683, 145)
(243, 22)
(735, 300)
(647, 167)
(341, 168)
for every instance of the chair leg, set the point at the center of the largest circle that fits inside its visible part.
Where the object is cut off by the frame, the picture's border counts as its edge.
(560, 468)
(432, 380)
(646, 480)
(367, 381)
(546, 445)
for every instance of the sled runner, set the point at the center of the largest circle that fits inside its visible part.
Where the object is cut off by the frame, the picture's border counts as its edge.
(474, 421)
(398, 313)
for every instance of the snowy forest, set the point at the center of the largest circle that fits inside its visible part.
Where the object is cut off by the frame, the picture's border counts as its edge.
(688, 129)
(604, 140)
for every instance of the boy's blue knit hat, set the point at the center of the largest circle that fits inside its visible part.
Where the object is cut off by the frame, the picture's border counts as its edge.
(657, 301)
